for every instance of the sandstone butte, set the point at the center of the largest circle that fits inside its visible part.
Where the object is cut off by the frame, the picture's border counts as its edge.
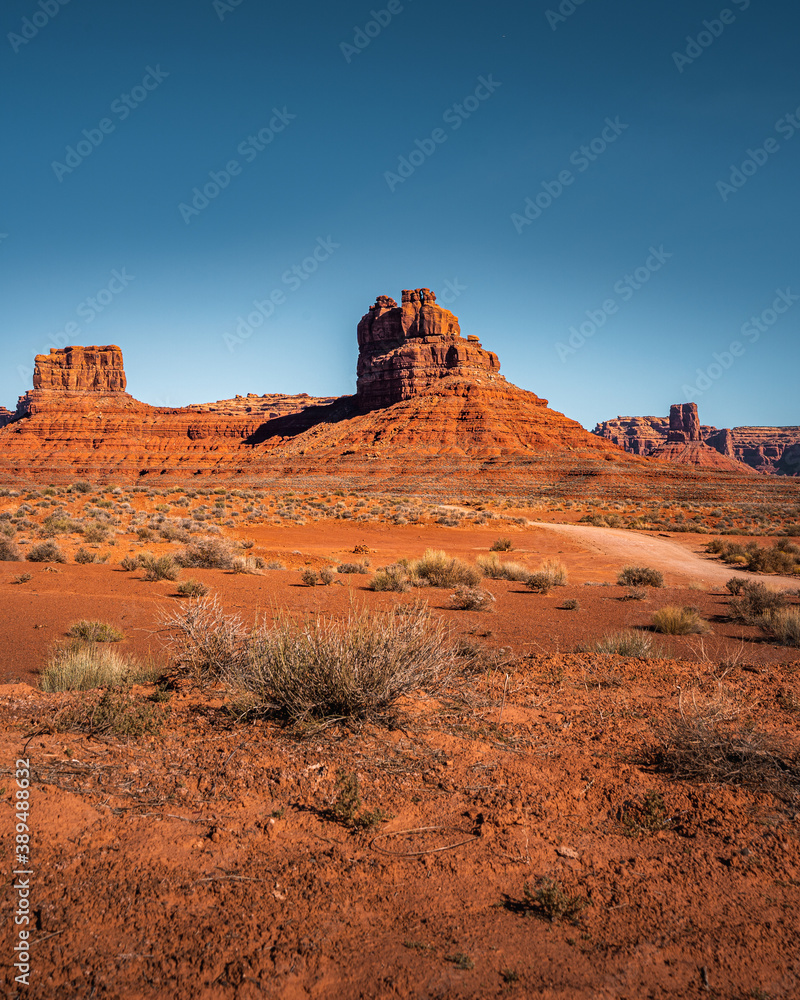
(430, 406)
(766, 449)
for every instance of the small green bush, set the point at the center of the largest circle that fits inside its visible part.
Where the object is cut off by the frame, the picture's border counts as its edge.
(640, 576)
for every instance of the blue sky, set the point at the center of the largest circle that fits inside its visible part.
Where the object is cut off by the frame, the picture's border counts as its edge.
(217, 146)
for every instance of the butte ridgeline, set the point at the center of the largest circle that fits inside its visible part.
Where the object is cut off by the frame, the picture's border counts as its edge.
(430, 410)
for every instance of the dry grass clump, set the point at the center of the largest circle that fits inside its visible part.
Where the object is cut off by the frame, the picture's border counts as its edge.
(640, 576)
(317, 669)
(493, 567)
(93, 631)
(673, 620)
(81, 666)
(160, 568)
(10, 551)
(471, 599)
(394, 578)
(501, 545)
(438, 569)
(207, 553)
(783, 625)
(84, 556)
(628, 642)
(252, 565)
(191, 588)
(705, 749)
(46, 552)
(551, 573)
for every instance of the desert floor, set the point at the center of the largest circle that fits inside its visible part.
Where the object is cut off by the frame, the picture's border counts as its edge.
(208, 859)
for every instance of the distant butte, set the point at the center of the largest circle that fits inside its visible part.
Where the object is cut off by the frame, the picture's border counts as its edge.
(430, 408)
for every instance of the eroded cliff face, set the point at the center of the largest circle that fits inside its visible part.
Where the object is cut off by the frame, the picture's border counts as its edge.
(405, 350)
(765, 449)
(80, 369)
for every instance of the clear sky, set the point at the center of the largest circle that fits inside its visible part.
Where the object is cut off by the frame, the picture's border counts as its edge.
(167, 165)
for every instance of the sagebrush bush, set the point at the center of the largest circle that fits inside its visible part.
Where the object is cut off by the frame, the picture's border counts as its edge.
(471, 599)
(191, 588)
(95, 533)
(84, 556)
(390, 578)
(46, 552)
(440, 570)
(310, 577)
(753, 601)
(551, 573)
(640, 576)
(130, 563)
(493, 567)
(501, 545)
(207, 553)
(783, 625)
(93, 631)
(253, 565)
(81, 666)
(354, 567)
(160, 568)
(352, 668)
(628, 642)
(9, 551)
(782, 557)
(673, 620)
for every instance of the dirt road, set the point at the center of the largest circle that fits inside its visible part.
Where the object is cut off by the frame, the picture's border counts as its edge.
(665, 554)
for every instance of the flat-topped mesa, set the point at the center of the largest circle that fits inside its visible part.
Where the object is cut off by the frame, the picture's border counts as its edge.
(684, 423)
(404, 350)
(80, 369)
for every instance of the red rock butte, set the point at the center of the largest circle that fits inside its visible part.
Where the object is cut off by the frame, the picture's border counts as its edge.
(430, 409)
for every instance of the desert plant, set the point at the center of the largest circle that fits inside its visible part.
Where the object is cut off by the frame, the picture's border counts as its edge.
(672, 620)
(572, 604)
(81, 486)
(130, 563)
(501, 545)
(115, 712)
(9, 551)
(206, 553)
(440, 570)
(80, 666)
(347, 807)
(46, 552)
(493, 567)
(549, 901)
(783, 625)
(326, 576)
(21, 578)
(160, 568)
(628, 642)
(390, 578)
(310, 577)
(191, 588)
(753, 601)
(355, 567)
(84, 556)
(471, 599)
(95, 533)
(635, 594)
(93, 631)
(205, 642)
(253, 565)
(640, 576)
(648, 816)
(274, 564)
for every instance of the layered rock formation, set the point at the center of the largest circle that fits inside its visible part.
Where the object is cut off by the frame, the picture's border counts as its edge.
(764, 449)
(5, 416)
(684, 444)
(80, 369)
(406, 350)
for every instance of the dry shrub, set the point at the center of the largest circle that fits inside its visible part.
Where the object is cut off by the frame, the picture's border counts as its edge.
(501, 545)
(80, 666)
(93, 631)
(393, 578)
(440, 570)
(493, 567)
(9, 551)
(709, 750)
(783, 625)
(207, 553)
(551, 573)
(753, 601)
(471, 599)
(115, 712)
(160, 568)
(84, 556)
(252, 565)
(191, 588)
(628, 642)
(640, 576)
(355, 567)
(782, 557)
(355, 668)
(673, 620)
(46, 552)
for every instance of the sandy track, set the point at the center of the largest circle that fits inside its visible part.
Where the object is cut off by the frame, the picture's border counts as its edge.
(631, 547)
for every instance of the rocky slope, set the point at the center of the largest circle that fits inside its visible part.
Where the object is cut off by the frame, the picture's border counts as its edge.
(773, 450)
